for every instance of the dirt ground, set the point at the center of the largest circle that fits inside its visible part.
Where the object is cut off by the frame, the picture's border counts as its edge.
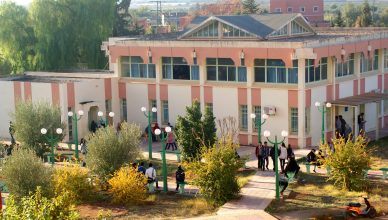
(91, 211)
(319, 214)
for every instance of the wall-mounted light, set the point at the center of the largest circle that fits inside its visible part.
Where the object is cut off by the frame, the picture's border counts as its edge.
(343, 52)
(194, 54)
(242, 55)
(149, 55)
(369, 48)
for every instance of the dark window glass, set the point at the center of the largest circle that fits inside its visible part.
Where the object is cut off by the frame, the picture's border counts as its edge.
(222, 73)
(211, 73)
(259, 74)
(231, 73)
(259, 62)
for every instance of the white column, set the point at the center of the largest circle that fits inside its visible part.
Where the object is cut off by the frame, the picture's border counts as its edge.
(249, 103)
(356, 113)
(159, 76)
(301, 103)
(202, 80)
(377, 121)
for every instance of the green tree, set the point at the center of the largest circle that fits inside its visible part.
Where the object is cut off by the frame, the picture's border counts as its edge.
(348, 162)
(16, 38)
(350, 13)
(108, 151)
(24, 171)
(216, 176)
(193, 132)
(30, 118)
(121, 18)
(384, 18)
(366, 14)
(338, 22)
(250, 7)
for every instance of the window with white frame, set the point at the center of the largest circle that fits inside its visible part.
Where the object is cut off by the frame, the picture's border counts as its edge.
(278, 10)
(307, 121)
(275, 71)
(211, 30)
(243, 117)
(209, 106)
(165, 114)
(289, 9)
(134, 67)
(302, 9)
(296, 28)
(257, 111)
(281, 32)
(346, 67)
(178, 68)
(376, 60)
(366, 64)
(152, 103)
(315, 9)
(314, 74)
(123, 110)
(294, 121)
(386, 58)
(229, 31)
(224, 69)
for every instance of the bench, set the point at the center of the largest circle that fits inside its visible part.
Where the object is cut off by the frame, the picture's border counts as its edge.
(68, 155)
(177, 153)
(50, 158)
(384, 169)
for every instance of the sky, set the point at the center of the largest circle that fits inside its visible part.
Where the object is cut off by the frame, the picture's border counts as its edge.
(23, 2)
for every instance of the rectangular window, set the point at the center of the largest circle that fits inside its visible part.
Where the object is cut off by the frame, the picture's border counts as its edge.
(346, 67)
(152, 103)
(312, 73)
(134, 67)
(289, 9)
(366, 64)
(278, 10)
(315, 9)
(376, 60)
(165, 118)
(123, 110)
(243, 117)
(307, 120)
(386, 58)
(257, 112)
(70, 125)
(224, 69)
(275, 71)
(294, 120)
(194, 72)
(301, 9)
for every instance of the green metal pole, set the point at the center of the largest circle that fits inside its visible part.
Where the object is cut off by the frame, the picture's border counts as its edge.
(149, 116)
(276, 168)
(323, 126)
(259, 129)
(75, 121)
(164, 169)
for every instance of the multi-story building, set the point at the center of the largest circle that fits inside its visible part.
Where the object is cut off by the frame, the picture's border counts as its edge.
(238, 65)
(312, 10)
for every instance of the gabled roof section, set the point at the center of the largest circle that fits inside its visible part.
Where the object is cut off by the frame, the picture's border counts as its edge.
(256, 27)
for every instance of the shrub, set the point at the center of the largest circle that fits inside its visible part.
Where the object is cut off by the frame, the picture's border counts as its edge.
(348, 162)
(30, 118)
(24, 171)
(128, 186)
(36, 206)
(108, 151)
(73, 180)
(194, 131)
(216, 176)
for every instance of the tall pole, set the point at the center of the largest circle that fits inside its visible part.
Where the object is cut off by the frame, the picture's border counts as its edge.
(75, 120)
(164, 169)
(149, 135)
(275, 143)
(323, 126)
(259, 129)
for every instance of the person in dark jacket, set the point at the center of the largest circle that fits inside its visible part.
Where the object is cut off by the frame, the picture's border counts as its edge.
(259, 155)
(179, 176)
(265, 155)
(292, 167)
(141, 168)
(290, 152)
(272, 155)
(312, 159)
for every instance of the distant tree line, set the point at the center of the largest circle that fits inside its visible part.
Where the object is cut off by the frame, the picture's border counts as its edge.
(351, 15)
(55, 35)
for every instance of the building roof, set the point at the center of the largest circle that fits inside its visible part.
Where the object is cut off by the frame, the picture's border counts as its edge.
(51, 77)
(361, 99)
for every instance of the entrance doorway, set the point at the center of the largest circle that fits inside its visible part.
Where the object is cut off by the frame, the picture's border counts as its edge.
(92, 116)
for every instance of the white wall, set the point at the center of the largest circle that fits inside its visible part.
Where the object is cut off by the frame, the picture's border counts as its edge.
(346, 89)
(178, 98)
(137, 97)
(370, 117)
(318, 94)
(371, 83)
(278, 98)
(225, 103)
(41, 92)
(7, 107)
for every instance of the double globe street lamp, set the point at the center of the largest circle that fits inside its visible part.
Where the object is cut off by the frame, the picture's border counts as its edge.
(149, 117)
(163, 141)
(323, 109)
(104, 122)
(76, 117)
(275, 143)
(259, 123)
(52, 140)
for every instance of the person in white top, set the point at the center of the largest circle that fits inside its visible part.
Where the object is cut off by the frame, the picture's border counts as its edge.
(283, 156)
(151, 175)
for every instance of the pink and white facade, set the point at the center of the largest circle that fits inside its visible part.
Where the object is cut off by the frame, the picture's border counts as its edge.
(234, 70)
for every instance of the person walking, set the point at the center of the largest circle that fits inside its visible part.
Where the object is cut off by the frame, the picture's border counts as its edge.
(361, 123)
(272, 155)
(312, 159)
(283, 182)
(151, 175)
(179, 177)
(12, 133)
(290, 152)
(265, 155)
(292, 167)
(171, 141)
(141, 168)
(282, 156)
(259, 156)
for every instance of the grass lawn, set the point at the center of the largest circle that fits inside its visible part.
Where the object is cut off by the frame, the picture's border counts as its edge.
(312, 192)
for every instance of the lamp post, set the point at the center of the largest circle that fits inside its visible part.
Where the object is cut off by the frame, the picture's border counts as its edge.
(323, 110)
(76, 117)
(164, 169)
(149, 117)
(275, 143)
(259, 123)
(102, 120)
(52, 140)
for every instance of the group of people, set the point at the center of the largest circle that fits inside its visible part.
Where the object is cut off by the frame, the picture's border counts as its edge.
(264, 151)
(170, 141)
(150, 173)
(344, 130)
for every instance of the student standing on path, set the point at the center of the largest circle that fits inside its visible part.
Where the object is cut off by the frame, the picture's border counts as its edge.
(265, 155)
(259, 155)
(179, 176)
(151, 175)
(290, 152)
(283, 156)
